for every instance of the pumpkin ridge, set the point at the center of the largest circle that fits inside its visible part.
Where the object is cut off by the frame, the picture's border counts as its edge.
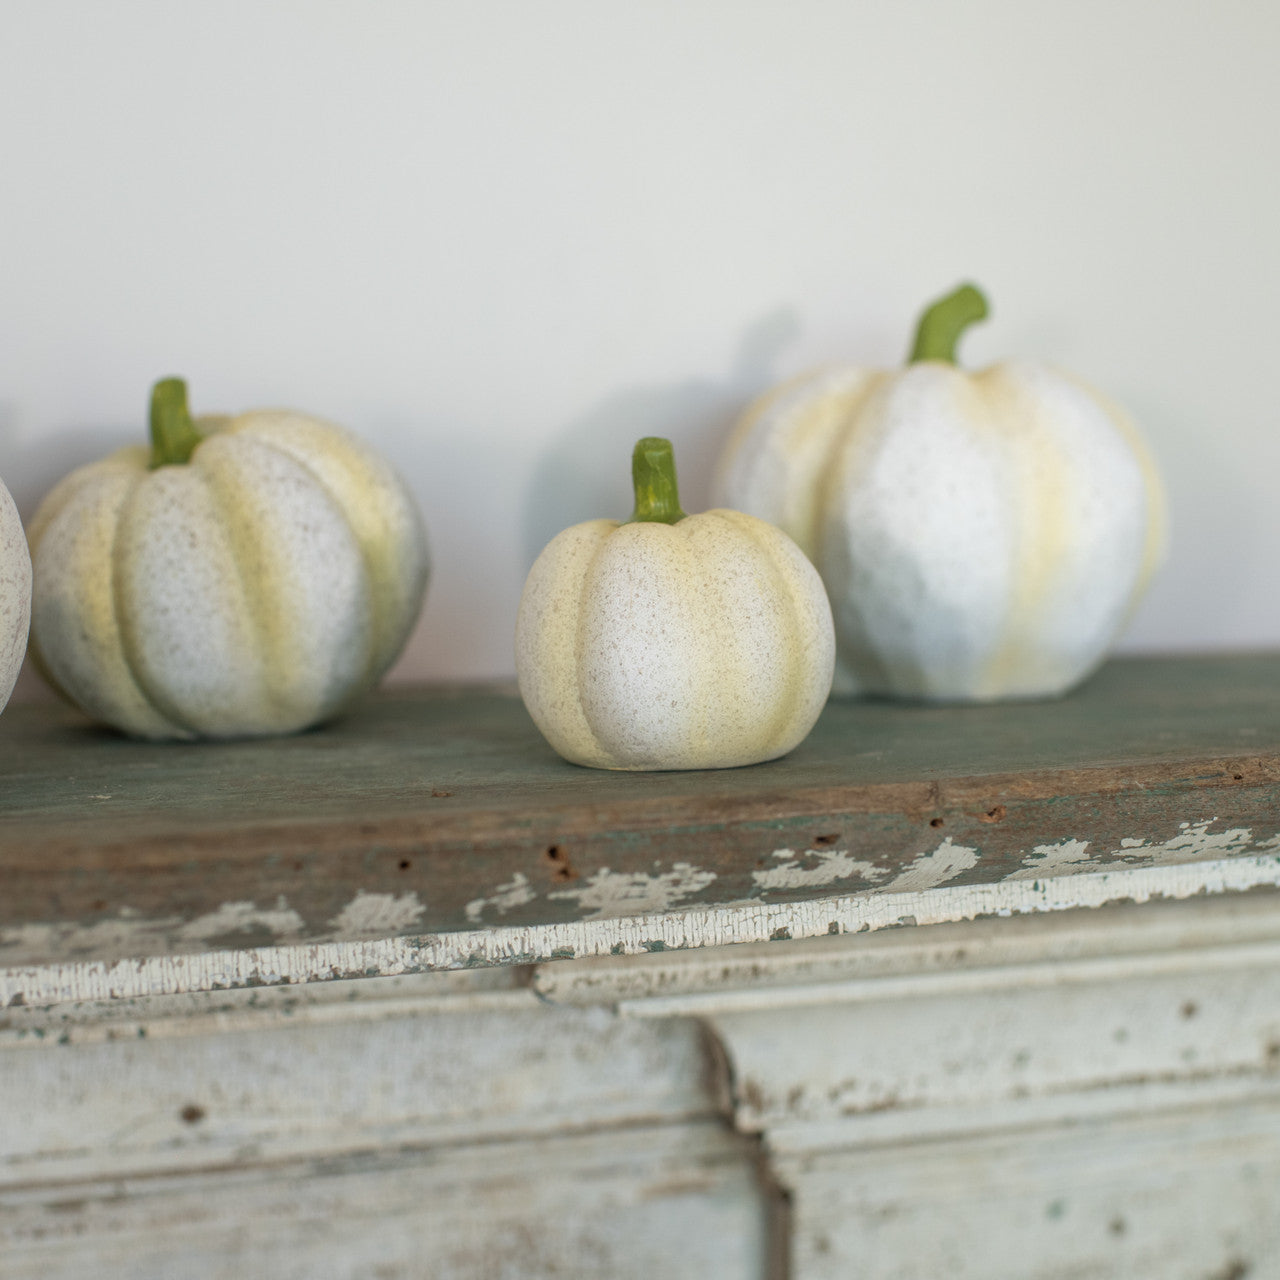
(1041, 537)
(387, 633)
(784, 588)
(179, 726)
(261, 590)
(579, 648)
(380, 629)
(1155, 544)
(45, 514)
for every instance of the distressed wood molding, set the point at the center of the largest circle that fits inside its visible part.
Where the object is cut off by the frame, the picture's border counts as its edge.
(433, 829)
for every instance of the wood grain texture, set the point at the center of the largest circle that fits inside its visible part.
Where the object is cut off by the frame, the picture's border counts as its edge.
(430, 814)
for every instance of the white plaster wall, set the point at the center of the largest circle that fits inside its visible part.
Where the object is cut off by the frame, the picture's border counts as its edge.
(504, 239)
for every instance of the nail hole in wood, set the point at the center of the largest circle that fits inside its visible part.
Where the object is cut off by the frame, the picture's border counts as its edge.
(1239, 777)
(935, 822)
(994, 814)
(820, 841)
(405, 864)
(191, 1114)
(563, 869)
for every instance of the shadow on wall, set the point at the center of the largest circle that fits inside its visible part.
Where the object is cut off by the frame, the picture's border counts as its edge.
(586, 472)
(33, 467)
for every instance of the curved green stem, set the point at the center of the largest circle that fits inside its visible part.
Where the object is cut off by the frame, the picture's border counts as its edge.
(173, 434)
(653, 472)
(942, 324)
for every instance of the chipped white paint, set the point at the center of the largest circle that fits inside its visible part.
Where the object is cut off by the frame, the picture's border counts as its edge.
(953, 984)
(946, 862)
(130, 934)
(374, 915)
(1063, 858)
(515, 893)
(282, 922)
(610, 894)
(1193, 843)
(601, 935)
(827, 866)
(719, 977)
(814, 868)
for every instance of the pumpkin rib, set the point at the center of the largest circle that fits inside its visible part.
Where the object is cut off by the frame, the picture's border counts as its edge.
(266, 580)
(392, 623)
(551, 590)
(83, 488)
(43, 518)
(577, 596)
(370, 664)
(756, 534)
(156, 700)
(804, 603)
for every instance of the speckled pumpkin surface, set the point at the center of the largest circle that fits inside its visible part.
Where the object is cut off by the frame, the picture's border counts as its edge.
(15, 594)
(981, 536)
(701, 643)
(252, 589)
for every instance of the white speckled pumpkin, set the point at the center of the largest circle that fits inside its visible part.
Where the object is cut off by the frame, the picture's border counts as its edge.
(245, 576)
(15, 595)
(673, 641)
(981, 536)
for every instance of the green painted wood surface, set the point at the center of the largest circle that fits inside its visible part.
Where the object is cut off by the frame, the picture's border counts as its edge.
(451, 794)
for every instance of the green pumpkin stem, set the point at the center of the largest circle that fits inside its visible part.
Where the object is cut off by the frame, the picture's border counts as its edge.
(173, 434)
(942, 324)
(653, 472)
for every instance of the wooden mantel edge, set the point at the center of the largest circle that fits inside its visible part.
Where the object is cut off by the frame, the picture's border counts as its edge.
(969, 796)
(691, 927)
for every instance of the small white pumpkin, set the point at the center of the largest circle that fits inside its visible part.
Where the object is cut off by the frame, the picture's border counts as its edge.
(673, 641)
(981, 536)
(15, 595)
(246, 576)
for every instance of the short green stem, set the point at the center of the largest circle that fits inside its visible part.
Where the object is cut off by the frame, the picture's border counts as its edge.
(173, 434)
(653, 472)
(942, 324)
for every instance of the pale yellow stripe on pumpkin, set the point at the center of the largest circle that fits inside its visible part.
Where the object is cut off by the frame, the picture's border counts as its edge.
(263, 577)
(809, 614)
(377, 509)
(732, 665)
(549, 644)
(786, 446)
(835, 437)
(73, 547)
(1039, 477)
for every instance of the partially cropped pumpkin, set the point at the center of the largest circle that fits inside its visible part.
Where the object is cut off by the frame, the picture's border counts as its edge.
(981, 536)
(673, 641)
(15, 595)
(244, 576)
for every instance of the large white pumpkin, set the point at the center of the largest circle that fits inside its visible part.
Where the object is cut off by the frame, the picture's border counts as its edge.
(244, 576)
(981, 536)
(673, 641)
(15, 594)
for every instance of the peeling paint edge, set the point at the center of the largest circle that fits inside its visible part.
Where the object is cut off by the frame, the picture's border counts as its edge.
(671, 930)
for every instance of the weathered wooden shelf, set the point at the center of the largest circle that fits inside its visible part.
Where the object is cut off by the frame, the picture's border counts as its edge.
(432, 828)
(1069, 1091)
